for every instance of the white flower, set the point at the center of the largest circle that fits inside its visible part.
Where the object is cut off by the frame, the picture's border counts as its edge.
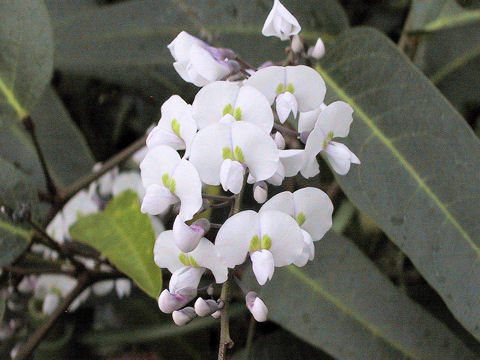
(168, 180)
(182, 289)
(280, 22)
(186, 236)
(176, 127)
(195, 62)
(271, 237)
(333, 121)
(224, 97)
(256, 306)
(296, 88)
(318, 50)
(183, 316)
(235, 141)
(205, 307)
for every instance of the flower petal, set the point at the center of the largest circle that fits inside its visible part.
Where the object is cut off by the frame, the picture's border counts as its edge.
(262, 265)
(255, 108)
(206, 255)
(317, 209)
(188, 188)
(180, 46)
(283, 202)
(309, 86)
(206, 65)
(292, 161)
(267, 80)
(280, 22)
(231, 176)
(286, 104)
(336, 118)
(308, 119)
(233, 238)
(128, 180)
(157, 199)
(165, 252)
(186, 237)
(340, 157)
(159, 160)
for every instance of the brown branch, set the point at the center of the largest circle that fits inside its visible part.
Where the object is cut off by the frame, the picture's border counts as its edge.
(286, 131)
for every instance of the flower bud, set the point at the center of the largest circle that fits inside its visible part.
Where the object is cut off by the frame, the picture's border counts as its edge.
(263, 265)
(297, 44)
(231, 175)
(184, 316)
(279, 140)
(260, 192)
(280, 22)
(286, 103)
(169, 302)
(256, 306)
(318, 50)
(187, 237)
(205, 307)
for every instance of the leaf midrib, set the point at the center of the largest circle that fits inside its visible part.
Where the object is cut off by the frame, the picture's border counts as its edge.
(409, 168)
(11, 99)
(15, 230)
(377, 332)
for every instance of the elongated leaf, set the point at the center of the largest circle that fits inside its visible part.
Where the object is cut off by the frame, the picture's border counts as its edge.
(125, 236)
(434, 15)
(126, 42)
(19, 195)
(26, 56)
(344, 305)
(420, 175)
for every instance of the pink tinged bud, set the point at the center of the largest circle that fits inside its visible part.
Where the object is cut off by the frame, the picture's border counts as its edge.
(286, 103)
(184, 316)
(205, 307)
(256, 306)
(263, 265)
(297, 44)
(260, 192)
(186, 236)
(157, 199)
(169, 302)
(318, 50)
(231, 175)
(50, 303)
(279, 140)
(217, 314)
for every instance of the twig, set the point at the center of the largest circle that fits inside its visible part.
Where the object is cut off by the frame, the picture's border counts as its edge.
(332, 190)
(83, 182)
(30, 128)
(218, 197)
(245, 64)
(286, 131)
(250, 335)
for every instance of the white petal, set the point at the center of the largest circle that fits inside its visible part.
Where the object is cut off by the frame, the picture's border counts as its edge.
(207, 151)
(233, 238)
(277, 178)
(259, 149)
(186, 237)
(185, 280)
(231, 176)
(313, 146)
(189, 74)
(183, 316)
(308, 119)
(279, 140)
(188, 188)
(205, 307)
(309, 86)
(162, 136)
(102, 288)
(255, 108)
(336, 118)
(157, 225)
(169, 302)
(211, 100)
(56, 228)
(259, 310)
(123, 287)
(285, 234)
(318, 50)
(260, 192)
(317, 209)
(308, 251)
(180, 46)
(206, 255)
(340, 157)
(159, 160)
(283, 202)
(206, 65)
(266, 80)
(263, 265)
(292, 161)
(286, 104)
(310, 168)
(165, 252)
(280, 22)
(157, 199)
(81, 204)
(128, 180)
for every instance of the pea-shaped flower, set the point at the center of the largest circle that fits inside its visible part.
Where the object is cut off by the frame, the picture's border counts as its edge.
(280, 22)
(244, 103)
(168, 179)
(221, 152)
(176, 127)
(333, 121)
(294, 88)
(272, 238)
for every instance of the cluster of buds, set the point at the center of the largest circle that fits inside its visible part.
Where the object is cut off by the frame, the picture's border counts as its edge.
(231, 135)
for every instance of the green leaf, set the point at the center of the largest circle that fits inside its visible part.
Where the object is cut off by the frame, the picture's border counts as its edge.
(451, 59)
(126, 42)
(17, 193)
(420, 171)
(63, 145)
(344, 305)
(125, 236)
(26, 60)
(434, 15)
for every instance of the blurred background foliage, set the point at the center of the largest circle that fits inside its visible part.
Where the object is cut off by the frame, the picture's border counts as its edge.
(95, 79)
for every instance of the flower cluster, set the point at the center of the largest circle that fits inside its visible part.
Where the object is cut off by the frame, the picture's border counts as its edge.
(232, 135)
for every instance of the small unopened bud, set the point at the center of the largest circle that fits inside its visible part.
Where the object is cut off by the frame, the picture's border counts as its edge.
(279, 140)
(187, 237)
(217, 314)
(184, 316)
(297, 44)
(260, 192)
(256, 306)
(318, 50)
(168, 302)
(205, 307)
